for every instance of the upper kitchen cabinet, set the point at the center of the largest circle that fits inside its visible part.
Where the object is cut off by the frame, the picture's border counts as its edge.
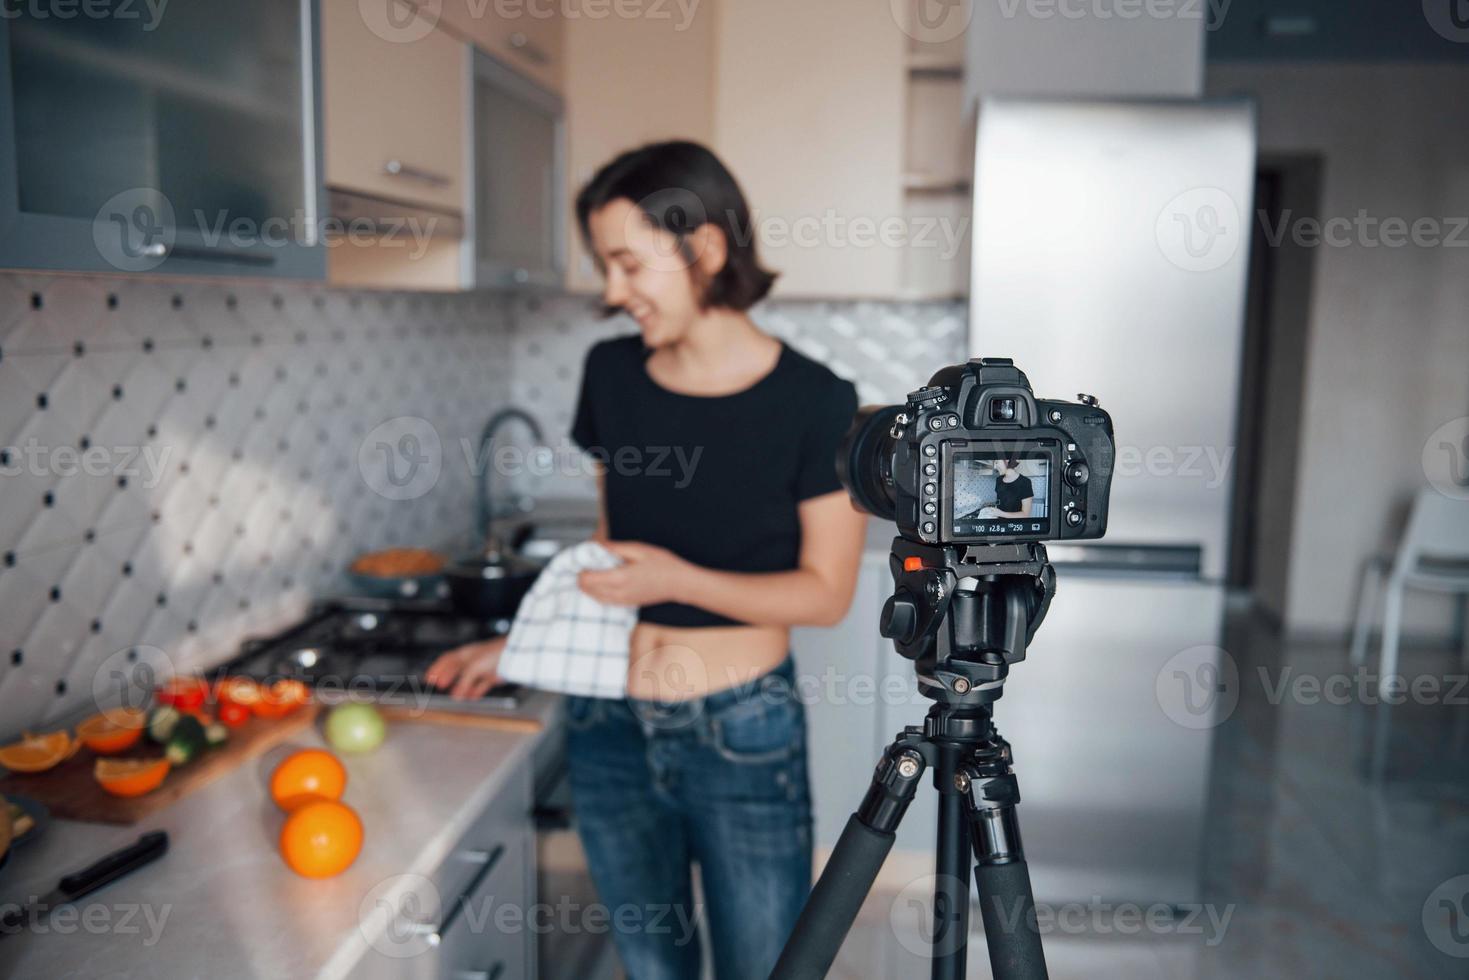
(518, 198)
(178, 140)
(395, 97)
(822, 164)
(526, 35)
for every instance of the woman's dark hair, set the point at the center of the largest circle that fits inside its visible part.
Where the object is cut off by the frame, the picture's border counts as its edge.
(681, 186)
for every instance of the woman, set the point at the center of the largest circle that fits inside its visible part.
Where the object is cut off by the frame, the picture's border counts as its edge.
(749, 535)
(1014, 494)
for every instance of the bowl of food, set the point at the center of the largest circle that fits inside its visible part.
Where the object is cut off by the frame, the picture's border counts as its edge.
(398, 573)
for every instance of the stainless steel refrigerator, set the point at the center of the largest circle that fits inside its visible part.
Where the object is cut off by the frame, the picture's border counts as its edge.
(1110, 255)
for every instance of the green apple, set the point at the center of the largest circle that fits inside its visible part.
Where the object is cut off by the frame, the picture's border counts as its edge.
(355, 727)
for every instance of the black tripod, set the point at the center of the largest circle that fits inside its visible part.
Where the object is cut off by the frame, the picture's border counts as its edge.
(963, 614)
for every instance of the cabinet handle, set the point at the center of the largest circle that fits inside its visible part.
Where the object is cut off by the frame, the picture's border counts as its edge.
(217, 254)
(493, 973)
(529, 51)
(397, 168)
(487, 861)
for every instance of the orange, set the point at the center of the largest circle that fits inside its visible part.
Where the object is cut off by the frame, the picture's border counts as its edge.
(321, 839)
(305, 776)
(113, 731)
(37, 753)
(130, 777)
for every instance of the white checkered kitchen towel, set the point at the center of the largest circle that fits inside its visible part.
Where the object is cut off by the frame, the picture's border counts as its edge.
(564, 640)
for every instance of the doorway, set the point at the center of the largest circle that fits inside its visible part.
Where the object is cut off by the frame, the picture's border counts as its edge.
(1272, 381)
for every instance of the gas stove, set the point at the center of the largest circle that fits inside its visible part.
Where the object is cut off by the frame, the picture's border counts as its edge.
(372, 649)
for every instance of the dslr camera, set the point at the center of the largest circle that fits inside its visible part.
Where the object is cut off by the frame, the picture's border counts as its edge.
(974, 458)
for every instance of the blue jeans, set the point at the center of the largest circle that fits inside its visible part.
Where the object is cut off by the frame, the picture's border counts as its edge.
(719, 780)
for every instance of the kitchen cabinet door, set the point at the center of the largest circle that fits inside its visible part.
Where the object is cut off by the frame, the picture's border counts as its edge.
(526, 36)
(519, 190)
(183, 143)
(845, 694)
(394, 104)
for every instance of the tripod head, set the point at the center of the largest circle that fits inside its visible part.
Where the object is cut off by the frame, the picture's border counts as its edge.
(965, 613)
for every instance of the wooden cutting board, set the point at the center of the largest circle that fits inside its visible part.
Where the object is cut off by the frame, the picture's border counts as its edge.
(467, 719)
(71, 792)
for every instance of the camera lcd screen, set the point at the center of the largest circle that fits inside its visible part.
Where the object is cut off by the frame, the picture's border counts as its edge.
(1001, 494)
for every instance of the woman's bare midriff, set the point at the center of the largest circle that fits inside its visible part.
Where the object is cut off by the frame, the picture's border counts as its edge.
(669, 663)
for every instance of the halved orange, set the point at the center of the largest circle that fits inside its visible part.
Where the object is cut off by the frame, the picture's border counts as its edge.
(237, 690)
(130, 777)
(281, 698)
(113, 731)
(37, 753)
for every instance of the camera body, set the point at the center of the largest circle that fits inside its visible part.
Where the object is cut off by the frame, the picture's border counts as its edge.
(975, 458)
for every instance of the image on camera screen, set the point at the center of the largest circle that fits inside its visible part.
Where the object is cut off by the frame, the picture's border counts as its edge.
(1000, 493)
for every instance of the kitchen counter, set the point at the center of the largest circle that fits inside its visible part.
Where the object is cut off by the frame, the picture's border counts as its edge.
(221, 901)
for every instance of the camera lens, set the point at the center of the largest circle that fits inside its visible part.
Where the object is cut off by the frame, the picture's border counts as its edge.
(1002, 410)
(865, 460)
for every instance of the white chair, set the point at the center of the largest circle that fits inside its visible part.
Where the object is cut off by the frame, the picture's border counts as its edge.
(1433, 555)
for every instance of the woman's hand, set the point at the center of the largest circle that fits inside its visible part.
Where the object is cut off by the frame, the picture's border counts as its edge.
(649, 575)
(470, 670)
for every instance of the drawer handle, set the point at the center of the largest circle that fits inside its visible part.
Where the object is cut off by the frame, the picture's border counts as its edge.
(487, 861)
(529, 51)
(397, 168)
(493, 973)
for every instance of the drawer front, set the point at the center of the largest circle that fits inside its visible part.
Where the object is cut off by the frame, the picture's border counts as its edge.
(488, 938)
(501, 823)
(452, 910)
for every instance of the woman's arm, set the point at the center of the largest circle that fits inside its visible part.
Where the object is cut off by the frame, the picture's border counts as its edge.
(1024, 510)
(815, 593)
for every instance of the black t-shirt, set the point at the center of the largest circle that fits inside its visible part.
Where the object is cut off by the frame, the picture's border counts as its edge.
(1009, 496)
(714, 480)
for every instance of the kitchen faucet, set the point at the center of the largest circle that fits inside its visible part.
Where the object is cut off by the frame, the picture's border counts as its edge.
(484, 512)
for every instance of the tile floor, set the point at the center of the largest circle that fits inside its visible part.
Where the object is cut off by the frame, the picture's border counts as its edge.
(1332, 825)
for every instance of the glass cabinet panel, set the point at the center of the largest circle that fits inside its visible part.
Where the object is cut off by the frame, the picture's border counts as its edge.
(203, 114)
(518, 184)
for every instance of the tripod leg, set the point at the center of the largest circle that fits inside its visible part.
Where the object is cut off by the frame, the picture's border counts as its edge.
(1006, 903)
(951, 885)
(848, 876)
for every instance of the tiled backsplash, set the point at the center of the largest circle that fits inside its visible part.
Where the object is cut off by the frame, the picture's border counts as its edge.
(186, 463)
